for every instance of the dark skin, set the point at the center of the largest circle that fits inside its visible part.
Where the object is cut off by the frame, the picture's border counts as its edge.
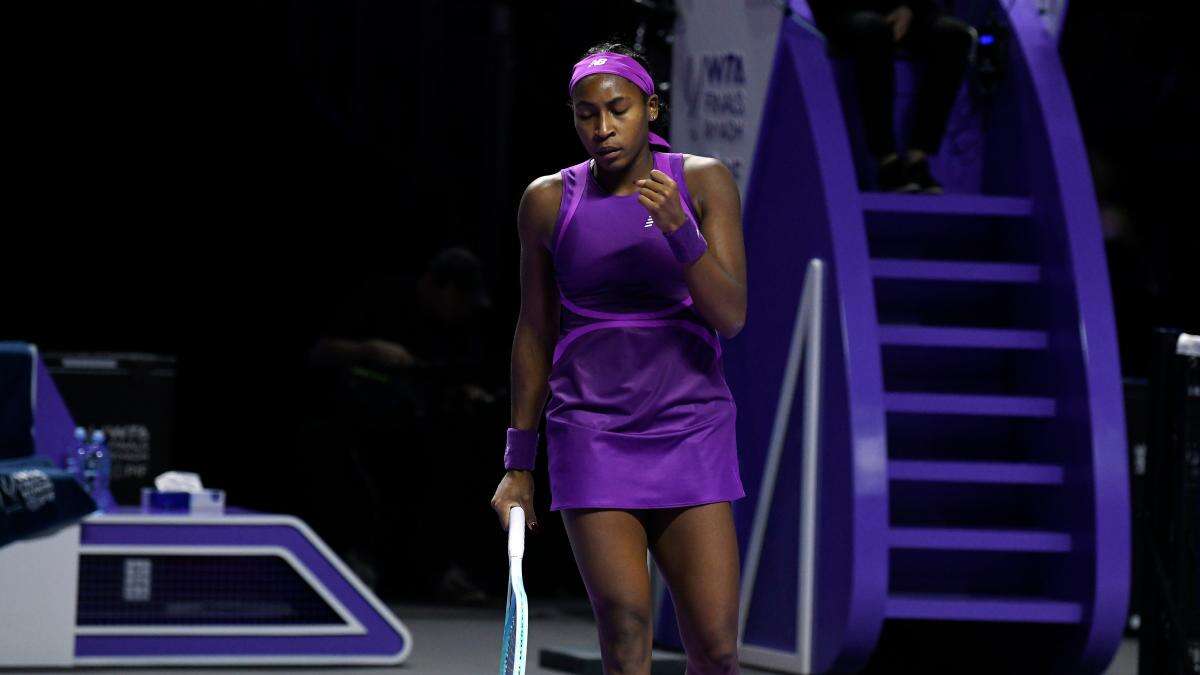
(694, 547)
(609, 113)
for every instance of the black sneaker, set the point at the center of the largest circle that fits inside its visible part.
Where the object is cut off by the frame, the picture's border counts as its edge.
(893, 178)
(918, 174)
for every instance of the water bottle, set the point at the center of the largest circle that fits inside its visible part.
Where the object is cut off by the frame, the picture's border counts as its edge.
(78, 454)
(98, 469)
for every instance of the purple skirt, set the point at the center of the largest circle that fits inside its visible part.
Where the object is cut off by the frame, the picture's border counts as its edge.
(640, 417)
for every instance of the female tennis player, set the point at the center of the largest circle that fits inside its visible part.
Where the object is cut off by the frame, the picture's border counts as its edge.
(632, 265)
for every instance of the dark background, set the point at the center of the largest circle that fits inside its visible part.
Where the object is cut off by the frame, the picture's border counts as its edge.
(210, 180)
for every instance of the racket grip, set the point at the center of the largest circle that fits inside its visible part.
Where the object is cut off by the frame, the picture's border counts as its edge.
(516, 532)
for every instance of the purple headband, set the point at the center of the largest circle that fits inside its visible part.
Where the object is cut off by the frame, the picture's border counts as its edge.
(624, 66)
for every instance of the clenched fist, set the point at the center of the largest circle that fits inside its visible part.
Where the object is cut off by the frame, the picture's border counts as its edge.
(660, 195)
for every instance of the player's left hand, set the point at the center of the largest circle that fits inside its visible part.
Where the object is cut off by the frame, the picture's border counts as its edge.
(660, 195)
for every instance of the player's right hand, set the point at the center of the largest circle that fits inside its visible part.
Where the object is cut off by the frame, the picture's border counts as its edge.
(516, 489)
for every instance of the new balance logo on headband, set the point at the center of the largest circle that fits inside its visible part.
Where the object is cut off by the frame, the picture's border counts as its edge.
(598, 62)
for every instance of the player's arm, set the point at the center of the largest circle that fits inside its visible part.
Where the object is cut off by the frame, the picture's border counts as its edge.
(717, 280)
(535, 338)
(537, 324)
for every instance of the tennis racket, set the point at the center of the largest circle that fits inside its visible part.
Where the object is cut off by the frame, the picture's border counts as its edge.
(516, 616)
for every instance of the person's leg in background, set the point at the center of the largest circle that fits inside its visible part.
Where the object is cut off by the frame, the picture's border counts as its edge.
(417, 466)
(469, 436)
(944, 43)
(330, 492)
(868, 40)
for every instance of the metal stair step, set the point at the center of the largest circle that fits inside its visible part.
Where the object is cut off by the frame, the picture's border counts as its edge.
(950, 336)
(944, 270)
(982, 608)
(966, 539)
(950, 204)
(1016, 473)
(968, 404)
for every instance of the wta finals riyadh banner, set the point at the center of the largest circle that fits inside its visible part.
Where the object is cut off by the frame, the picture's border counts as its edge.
(721, 65)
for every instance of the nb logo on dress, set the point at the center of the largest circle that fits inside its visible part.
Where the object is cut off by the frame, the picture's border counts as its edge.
(649, 221)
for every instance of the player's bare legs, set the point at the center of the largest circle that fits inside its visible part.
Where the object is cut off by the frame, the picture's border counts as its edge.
(696, 550)
(610, 549)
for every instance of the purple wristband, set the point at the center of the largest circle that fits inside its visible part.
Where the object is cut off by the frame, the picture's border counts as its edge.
(687, 243)
(521, 450)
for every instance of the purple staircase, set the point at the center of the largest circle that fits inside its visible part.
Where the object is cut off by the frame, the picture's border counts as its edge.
(973, 491)
(983, 361)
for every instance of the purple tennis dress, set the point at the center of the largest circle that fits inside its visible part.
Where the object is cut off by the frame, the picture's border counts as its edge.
(639, 414)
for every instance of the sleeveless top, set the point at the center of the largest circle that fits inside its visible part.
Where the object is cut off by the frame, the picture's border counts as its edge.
(640, 415)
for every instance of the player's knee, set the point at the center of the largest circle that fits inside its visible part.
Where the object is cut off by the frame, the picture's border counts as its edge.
(624, 636)
(715, 647)
(715, 658)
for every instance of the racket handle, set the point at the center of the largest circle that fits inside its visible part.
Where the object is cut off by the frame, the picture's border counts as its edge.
(516, 532)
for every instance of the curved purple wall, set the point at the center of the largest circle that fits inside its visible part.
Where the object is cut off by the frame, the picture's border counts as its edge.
(1085, 335)
(802, 204)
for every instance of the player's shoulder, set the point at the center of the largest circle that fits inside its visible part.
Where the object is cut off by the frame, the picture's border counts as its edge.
(539, 206)
(543, 192)
(703, 167)
(707, 176)
(548, 183)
